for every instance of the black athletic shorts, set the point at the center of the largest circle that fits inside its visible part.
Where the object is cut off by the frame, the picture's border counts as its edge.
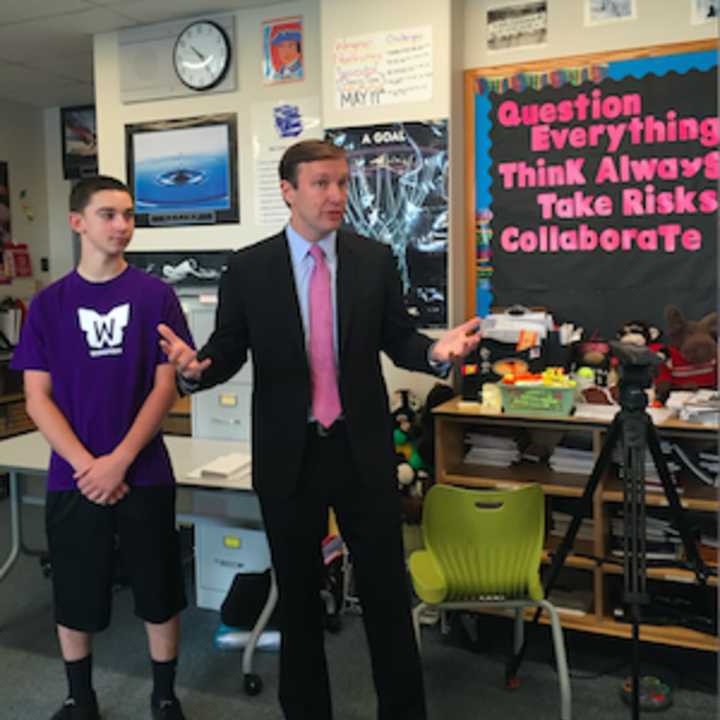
(86, 541)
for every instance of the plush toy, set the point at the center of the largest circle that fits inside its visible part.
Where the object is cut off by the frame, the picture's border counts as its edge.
(692, 354)
(593, 353)
(411, 482)
(412, 485)
(638, 332)
(405, 406)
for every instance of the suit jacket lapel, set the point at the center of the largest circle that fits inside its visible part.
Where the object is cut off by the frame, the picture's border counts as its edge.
(283, 295)
(346, 287)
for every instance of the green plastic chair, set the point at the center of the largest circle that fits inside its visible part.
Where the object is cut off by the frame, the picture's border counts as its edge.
(483, 548)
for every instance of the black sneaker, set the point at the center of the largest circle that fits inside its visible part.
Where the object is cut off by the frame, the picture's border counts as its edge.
(70, 710)
(166, 709)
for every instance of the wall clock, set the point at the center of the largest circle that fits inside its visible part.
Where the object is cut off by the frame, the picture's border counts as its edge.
(202, 55)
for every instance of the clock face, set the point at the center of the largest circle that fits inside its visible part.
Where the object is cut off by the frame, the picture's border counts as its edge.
(202, 55)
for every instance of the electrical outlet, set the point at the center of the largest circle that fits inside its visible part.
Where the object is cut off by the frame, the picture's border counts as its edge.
(44, 264)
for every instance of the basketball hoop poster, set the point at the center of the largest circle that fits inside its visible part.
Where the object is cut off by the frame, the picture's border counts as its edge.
(398, 195)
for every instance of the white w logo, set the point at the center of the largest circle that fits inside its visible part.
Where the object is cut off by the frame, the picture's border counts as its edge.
(101, 330)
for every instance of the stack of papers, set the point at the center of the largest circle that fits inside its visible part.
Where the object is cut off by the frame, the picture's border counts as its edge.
(492, 450)
(701, 407)
(561, 524)
(703, 465)
(662, 540)
(224, 466)
(571, 460)
(594, 411)
(652, 478)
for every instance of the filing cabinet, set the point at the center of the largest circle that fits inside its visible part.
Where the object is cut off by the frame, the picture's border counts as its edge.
(222, 551)
(222, 412)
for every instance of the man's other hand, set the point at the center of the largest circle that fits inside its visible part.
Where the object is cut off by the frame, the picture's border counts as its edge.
(457, 342)
(181, 355)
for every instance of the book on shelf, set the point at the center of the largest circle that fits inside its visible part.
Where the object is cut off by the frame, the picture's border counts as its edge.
(572, 601)
(692, 461)
(561, 523)
(534, 452)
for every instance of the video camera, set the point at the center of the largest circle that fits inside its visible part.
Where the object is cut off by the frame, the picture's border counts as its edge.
(637, 368)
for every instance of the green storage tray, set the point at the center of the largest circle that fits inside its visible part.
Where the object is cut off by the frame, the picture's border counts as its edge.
(537, 400)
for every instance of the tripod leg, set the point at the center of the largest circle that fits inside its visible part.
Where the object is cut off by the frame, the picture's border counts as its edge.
(676, 510)
(634, 529)
(584, 510)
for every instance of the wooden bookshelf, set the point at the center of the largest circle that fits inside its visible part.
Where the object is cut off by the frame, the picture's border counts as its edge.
(455, 418)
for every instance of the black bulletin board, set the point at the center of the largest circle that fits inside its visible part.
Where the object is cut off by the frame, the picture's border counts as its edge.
(593, 185)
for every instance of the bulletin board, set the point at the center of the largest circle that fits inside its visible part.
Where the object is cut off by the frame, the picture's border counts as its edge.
(592, 185)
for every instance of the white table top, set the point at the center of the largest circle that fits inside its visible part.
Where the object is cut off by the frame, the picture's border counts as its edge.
(30, 453)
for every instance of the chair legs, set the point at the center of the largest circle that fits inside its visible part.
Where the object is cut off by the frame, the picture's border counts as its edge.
(560, 659)
(519, 630)
(417, 611)
(518, 606)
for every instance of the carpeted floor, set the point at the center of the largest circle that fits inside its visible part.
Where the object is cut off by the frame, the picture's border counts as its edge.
(464, 678)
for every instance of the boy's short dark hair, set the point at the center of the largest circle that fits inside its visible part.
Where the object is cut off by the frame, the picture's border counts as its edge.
(307, 151)
(82, 192)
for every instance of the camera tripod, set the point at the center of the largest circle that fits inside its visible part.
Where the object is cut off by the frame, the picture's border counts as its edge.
(634, 429)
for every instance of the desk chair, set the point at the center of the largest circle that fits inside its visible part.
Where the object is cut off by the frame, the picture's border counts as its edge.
(483, 548)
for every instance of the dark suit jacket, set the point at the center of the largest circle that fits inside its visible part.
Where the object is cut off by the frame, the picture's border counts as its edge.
(258, 311)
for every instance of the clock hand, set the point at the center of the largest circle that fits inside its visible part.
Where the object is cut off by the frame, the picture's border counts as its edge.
(198, 53)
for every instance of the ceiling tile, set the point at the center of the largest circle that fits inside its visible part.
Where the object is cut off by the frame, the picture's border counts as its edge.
(41, 89)
(71, 33)
(72, 67)
(162, 10)
(49, 48)
(12, 11)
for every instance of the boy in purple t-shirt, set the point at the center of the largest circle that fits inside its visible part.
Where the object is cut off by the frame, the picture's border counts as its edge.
(98, 387)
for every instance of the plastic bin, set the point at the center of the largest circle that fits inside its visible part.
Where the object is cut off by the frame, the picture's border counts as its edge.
(537, 400)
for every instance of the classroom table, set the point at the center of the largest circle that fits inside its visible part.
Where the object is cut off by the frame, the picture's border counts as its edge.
(29, 454)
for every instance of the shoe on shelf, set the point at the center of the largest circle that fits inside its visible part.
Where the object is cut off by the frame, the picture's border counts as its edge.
(166, 709)
(70, 710)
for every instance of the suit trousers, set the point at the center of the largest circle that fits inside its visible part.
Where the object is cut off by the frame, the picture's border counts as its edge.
(369, 521)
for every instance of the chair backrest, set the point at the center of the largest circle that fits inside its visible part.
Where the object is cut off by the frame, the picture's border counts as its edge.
(488, 543)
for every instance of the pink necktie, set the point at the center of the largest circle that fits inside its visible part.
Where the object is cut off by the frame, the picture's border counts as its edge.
(325, 396)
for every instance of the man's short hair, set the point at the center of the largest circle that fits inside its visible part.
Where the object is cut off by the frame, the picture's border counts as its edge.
(307, 151)
(82, 192)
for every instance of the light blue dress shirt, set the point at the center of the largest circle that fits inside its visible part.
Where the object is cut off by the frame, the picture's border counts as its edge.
(302, 265)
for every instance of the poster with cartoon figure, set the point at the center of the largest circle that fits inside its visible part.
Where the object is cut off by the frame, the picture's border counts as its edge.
(282, 50)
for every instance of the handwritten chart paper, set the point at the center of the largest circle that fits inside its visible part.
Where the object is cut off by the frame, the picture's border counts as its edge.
(383, 68)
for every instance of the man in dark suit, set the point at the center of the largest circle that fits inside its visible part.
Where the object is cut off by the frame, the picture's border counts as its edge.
(315, 307)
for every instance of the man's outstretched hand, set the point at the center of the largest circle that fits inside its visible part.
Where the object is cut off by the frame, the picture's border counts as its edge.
(457, 342)
(181, 355)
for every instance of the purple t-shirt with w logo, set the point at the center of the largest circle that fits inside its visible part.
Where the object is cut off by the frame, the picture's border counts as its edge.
(99, 343)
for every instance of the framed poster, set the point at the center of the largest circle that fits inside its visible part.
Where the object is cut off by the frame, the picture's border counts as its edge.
(592, 185)
(517, 25)
(184, 171)
(182, 268)
(703, 11)
(282, 41)
(398, 195)
(79, 142)
(601, 12)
